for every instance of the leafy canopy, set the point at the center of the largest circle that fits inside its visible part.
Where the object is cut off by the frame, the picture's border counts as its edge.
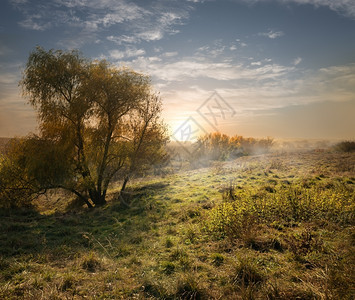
(97, 123)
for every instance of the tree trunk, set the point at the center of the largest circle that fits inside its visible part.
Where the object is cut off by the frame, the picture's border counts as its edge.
(98, 199)
(124, 183)
(81, 196)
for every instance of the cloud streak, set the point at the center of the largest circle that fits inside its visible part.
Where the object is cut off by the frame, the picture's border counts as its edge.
(343, 7)
(129, 52)
(90, 17)
(271, 34)
(193, 68)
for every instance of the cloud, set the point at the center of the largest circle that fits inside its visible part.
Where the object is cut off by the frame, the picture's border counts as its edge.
(333, 84)
(343, 7)
(33, 22)
(256, 86)
(8, 78)
(170, 54)
(195, 67)
(272, 34)
(123, 39)
(297, 61)
(233, 47)
(89, 18)
(212, 51)
(129, 52)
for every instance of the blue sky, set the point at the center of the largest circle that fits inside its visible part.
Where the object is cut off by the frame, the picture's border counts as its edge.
(283, 68)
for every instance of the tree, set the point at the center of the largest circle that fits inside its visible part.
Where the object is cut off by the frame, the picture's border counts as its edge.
(97, 122)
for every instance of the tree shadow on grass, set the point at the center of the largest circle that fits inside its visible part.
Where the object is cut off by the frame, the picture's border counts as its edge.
(113, 229)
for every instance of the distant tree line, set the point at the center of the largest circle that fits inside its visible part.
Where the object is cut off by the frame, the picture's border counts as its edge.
(218, 146)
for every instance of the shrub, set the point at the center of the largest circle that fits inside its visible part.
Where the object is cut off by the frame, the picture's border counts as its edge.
(345, 146)
(17, 187)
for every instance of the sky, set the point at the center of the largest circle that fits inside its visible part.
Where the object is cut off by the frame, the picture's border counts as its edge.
(277, 68)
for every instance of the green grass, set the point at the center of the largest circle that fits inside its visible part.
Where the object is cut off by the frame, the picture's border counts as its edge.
(279, 226)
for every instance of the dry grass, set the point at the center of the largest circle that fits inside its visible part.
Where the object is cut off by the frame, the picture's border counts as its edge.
(157, 244)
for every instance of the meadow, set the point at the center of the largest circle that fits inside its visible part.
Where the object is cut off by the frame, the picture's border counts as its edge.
(272, 226)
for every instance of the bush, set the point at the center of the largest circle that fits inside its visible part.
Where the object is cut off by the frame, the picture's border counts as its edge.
(345, 146)
(16, 186)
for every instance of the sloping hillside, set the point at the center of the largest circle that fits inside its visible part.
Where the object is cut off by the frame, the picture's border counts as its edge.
(195, 235)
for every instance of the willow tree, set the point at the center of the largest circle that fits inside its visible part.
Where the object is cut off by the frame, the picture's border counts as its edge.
(105, 119)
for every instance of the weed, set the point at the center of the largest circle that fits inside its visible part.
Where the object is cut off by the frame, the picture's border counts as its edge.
(178, 254)
(304, 242)
(151, 289)
(217, 259)
(228, 192)
(168, 267)
(169, 242)
(68, 282)
(188, 288)
(91, 262)
(246, 273)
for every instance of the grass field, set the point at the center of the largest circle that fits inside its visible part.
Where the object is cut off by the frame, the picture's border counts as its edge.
(276, 226)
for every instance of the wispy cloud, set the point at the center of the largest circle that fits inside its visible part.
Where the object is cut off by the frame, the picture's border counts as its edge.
(272, 34)
(297, 61)
(129, 52)
(34, 22)
(170, 54)
(154, 26)
(333, 84)
(343, 7)
(233, 47)
(135, 22)
(123, 39)
(195, 67)
(9, 78)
